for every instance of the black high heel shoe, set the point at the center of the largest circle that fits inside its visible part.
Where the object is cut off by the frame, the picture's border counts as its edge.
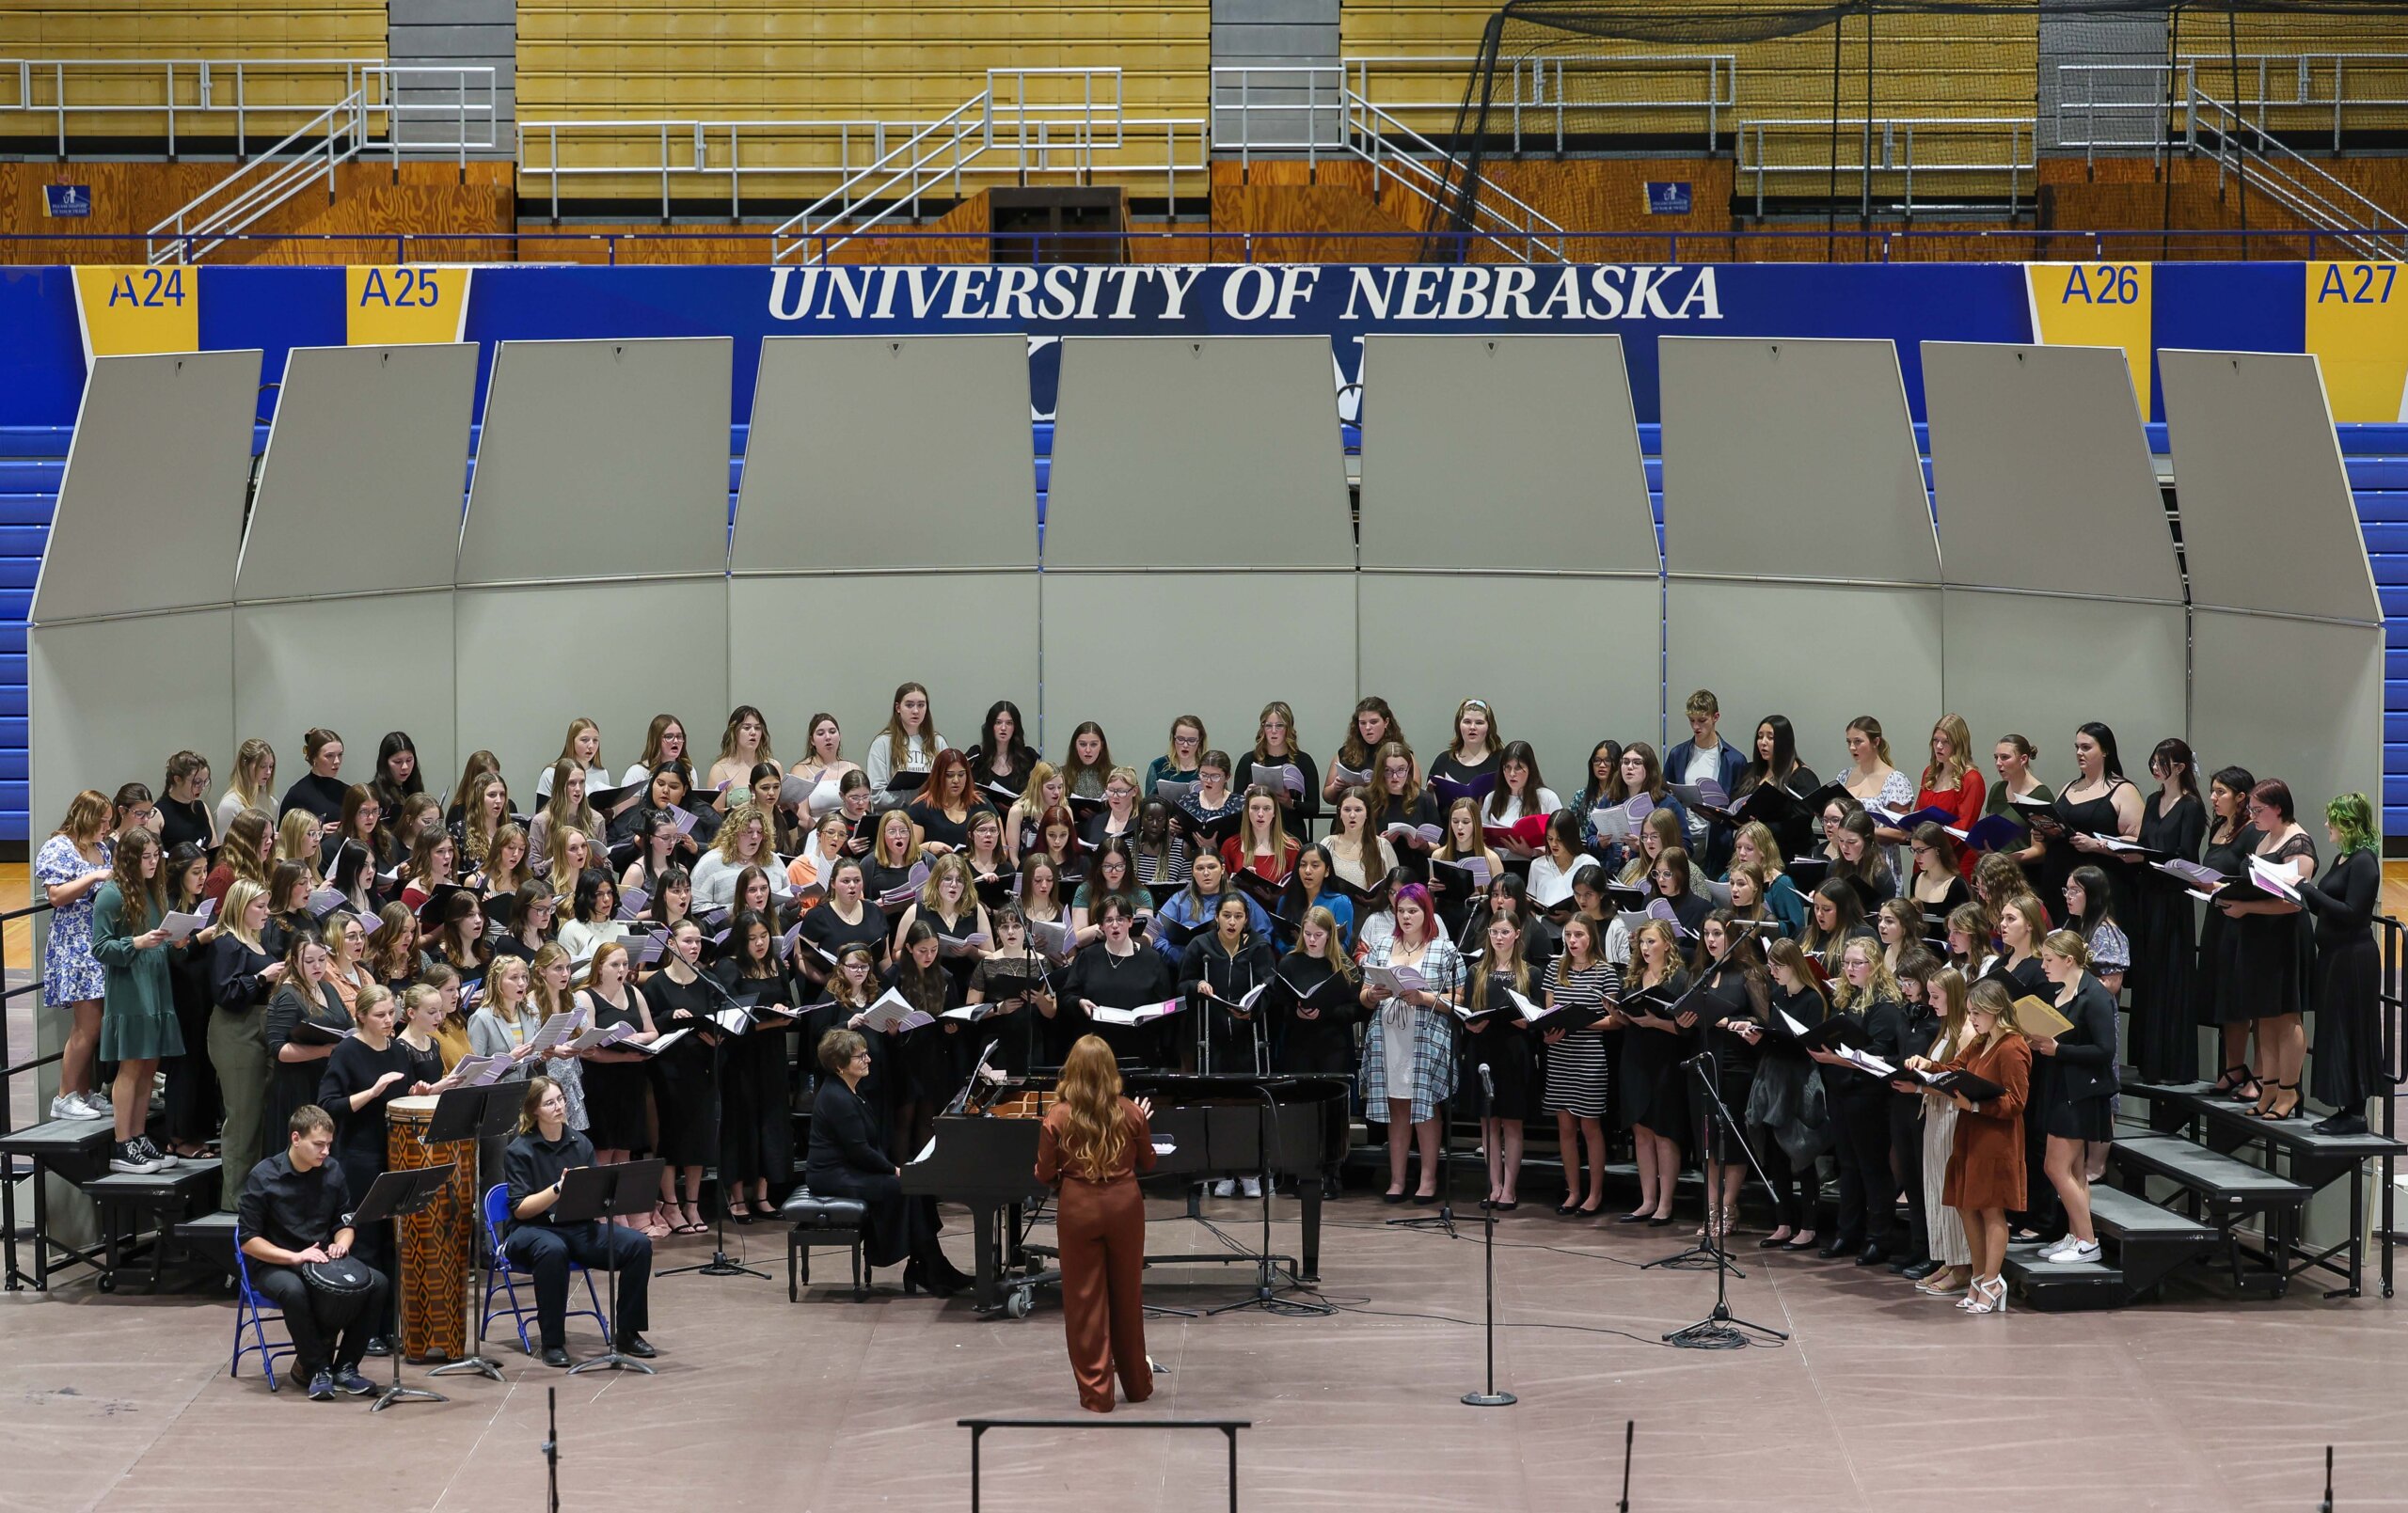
(2298, 1105)
(2229, 1081)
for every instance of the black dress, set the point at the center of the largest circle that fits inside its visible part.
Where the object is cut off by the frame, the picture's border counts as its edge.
(926, 1059)
(1140, 978)
(614, 1091)
(2081, 1089)
(846, 1158)
(2348, 1069)
(2165, 1036)
(359, 1133)
(193, 1102)
(1726, 995)
(2273, 955)
(756, 1125)
(2096, 816)
(1325, 1043)
(827, 929)
(684, 1076)
(1650, 1075)
(1504, 1048)
(295, 1082)
(2215, 997)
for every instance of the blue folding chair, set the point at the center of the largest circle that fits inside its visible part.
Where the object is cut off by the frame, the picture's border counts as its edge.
(255, 1312)
(502, 1272)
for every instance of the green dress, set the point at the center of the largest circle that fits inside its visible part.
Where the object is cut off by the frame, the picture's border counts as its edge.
(138, 998)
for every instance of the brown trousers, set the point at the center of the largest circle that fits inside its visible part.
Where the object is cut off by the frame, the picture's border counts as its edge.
(1101, 1229)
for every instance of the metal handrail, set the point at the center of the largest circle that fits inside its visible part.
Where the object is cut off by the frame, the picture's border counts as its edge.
(1526, 82)
(2301, 69)
(1894, 137)
(2291, 180)
(2161, 111)
(190, 87)
(1367, 132)
(686, 148)
(1490, 197)
(838, 202)
(276, 179)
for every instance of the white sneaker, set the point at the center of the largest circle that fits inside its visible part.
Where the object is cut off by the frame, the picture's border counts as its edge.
(68, 1106)
(2077, 1252)
(99, 1105)
(1225, 1188)
(1250, 1187)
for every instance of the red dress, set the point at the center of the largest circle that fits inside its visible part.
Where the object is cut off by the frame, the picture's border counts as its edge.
(1100, 1226)
(1966, 798)
(1237, 858)
(1985, 1163)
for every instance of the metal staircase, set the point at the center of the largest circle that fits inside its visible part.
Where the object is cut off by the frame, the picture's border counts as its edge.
(266, 180)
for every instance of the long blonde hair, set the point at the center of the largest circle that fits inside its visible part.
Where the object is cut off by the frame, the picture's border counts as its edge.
(1097, 1136)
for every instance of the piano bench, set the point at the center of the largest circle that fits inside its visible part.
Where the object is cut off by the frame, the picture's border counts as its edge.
(821, 1222)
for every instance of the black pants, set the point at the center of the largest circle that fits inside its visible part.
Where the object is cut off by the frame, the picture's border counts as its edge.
(311, 1316)
(547, 1248)
(1905, 1169)
(1787, 1206)
(1868, 1192)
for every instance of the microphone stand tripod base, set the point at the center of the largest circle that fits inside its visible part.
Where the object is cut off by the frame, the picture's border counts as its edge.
(719, 1264)
(488, 1369)
(1490, 1400)
(1719, 1330)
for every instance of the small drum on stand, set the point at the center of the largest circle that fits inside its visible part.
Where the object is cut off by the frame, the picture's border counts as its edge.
(434, 1246)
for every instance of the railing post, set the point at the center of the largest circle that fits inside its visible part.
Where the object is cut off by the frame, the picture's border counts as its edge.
(735, 171)
(171, 116)
(58, 98)
(664, 173)
(553, 132)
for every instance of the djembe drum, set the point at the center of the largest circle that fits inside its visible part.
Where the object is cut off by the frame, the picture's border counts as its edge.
(434, 1245)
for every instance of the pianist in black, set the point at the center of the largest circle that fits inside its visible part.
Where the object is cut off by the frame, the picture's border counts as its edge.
(1119, 971)
(847, 1159)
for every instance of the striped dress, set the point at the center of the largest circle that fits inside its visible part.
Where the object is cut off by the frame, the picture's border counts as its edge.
(1576, 1065)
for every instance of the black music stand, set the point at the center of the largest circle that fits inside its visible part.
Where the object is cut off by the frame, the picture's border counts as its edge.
(478, 1113)
(620, 1190)
(1266, 1294)
(391, 1198)
(721, 1263)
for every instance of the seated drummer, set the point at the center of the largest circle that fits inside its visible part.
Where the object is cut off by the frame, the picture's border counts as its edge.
(536, 1164)
(296, 1209)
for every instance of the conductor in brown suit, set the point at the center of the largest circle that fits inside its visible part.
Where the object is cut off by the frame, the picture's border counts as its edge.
(1093, 1145)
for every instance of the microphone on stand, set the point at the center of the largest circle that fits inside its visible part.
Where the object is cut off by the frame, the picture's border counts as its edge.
(1491, 1397)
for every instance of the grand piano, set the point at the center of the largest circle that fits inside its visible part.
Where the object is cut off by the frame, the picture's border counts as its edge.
(984, 1155)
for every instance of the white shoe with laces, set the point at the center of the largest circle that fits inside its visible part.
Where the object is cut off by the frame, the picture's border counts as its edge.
(1250, 1187)
(69, 1106)
(1225, 1188)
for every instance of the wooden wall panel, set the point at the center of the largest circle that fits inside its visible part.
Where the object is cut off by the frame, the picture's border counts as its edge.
(427, 199)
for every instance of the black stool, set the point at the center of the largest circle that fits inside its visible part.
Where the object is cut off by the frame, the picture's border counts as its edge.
(821, 1222)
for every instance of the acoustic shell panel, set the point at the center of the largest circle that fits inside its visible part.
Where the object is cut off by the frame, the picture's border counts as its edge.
(1189, 454)
(1563, 662)
(1503, 452)
(109, 700)
(2268, 520)
(512, 700)
(1112, 656)
(300, 663)
(888, 453)
(981, 648)
(2298, 699)
(160, 459)
(1790, 459)
(2043, 473)
(1806, 651)
(600, 460)
(2039, 667)
(359, 490)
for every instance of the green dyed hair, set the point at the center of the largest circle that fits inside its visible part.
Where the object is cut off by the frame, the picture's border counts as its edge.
(2352, 820)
